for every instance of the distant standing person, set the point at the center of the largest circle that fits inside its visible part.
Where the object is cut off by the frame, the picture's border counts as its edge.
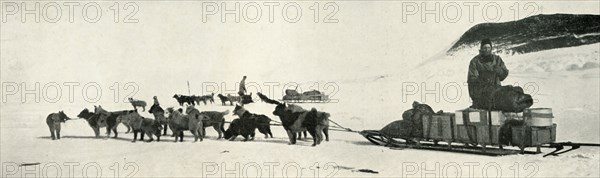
(242, 90)
(159, 114)
(486, 71)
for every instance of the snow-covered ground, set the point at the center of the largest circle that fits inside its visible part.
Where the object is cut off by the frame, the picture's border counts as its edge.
(367, 102)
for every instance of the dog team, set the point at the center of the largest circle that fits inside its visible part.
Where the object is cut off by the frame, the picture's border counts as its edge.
(294, 119)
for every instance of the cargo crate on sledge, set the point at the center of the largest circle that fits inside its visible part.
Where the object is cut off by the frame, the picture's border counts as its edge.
(532, 136)
(481, 127)
(439, 127)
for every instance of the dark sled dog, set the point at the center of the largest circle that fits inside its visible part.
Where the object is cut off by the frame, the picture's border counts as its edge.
(295, 119)
(251, 120)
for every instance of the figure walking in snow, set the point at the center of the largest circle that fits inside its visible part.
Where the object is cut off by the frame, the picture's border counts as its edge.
(242, 90)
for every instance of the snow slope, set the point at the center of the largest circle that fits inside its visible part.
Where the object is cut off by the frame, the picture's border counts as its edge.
(364, 103)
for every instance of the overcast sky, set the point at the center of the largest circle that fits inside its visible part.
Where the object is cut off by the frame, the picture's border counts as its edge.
(171, 44)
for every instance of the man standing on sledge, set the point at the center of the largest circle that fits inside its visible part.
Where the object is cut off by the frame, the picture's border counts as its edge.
(486, 71)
